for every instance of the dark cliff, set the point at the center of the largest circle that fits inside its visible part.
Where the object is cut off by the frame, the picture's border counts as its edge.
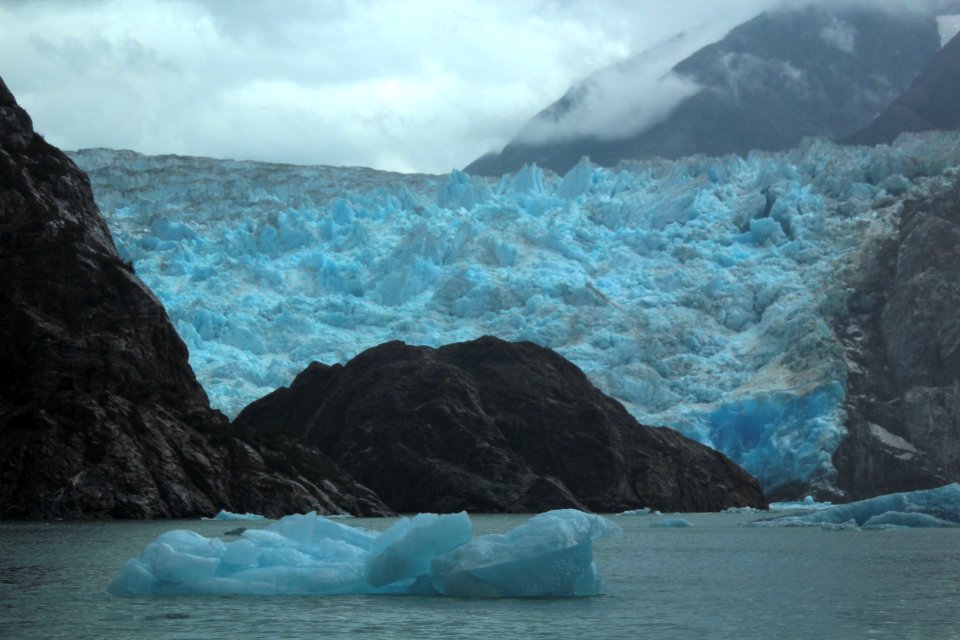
(787, 74)
(902, 340)
(493, 426)
(100, 413)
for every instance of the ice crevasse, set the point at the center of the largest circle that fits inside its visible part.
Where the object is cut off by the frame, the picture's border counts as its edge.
(429, 554)
(699, 292)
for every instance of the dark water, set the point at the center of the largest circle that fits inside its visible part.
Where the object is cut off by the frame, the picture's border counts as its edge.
(713, 580)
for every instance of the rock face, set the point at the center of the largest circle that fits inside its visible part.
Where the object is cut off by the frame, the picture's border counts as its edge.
(493, 426)
(902, 339)
(930, 103)
(787, 74)
(100, 414)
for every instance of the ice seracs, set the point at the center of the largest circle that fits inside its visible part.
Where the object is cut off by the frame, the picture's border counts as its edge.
(550, 555)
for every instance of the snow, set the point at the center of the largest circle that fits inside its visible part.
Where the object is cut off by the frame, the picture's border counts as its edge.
(929, 508)
(698, 292)
(429, 554)
(229, 515)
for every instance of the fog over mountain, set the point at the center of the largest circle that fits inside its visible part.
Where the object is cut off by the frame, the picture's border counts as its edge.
(814, 70)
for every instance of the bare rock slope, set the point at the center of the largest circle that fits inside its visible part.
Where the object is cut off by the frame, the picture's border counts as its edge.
(100, 413)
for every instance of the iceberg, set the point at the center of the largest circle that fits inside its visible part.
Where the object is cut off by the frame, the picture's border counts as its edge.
(429, 554)
(671, 523)
(808, 504)
(699, 292)
(929, 508)
(223, 514)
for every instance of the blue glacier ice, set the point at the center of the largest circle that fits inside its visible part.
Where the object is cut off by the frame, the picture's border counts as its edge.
(550, 555)
(929, 508)
(699, 292)
(223, 514)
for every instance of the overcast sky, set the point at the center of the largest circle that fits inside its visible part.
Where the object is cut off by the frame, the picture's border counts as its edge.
(411, 85)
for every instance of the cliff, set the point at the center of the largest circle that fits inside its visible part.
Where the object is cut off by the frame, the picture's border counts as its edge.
(902, 343)
(100, 413)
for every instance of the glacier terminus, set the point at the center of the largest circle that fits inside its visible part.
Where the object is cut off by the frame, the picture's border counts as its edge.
(700, 292)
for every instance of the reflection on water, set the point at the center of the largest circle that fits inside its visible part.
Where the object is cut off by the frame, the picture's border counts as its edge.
(713, 579)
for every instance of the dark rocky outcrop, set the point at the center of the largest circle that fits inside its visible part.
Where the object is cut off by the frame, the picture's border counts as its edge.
(789, 73)
(930, 103)
(902, 339)
(493, 426)
(100, 413)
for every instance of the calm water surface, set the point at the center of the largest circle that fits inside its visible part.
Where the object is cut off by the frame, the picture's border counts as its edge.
(714, 580)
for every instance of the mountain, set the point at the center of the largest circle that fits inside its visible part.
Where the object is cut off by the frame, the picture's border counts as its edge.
(100, 412)
(785, 75)
(493, 426)
(930, 103)
(709, 295)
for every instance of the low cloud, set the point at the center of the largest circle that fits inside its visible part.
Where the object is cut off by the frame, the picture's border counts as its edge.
(417, 85)
(839, 35)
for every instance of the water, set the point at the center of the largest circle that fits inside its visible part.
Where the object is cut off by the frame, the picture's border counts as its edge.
(713, 580)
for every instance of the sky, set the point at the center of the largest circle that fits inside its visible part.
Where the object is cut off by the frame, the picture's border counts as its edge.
(398, 85)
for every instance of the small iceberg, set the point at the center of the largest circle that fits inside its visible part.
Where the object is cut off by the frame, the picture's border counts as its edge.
(229, 515)
(635, 512)
(741, 510)
(429, 554)
(929, 508)
(671, 523)
(808, 504)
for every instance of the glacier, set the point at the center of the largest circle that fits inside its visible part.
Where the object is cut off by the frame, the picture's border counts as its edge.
(429, 554)
(699, 292)
(930, 508)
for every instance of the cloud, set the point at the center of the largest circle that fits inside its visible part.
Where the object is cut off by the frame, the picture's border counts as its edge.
(840, 35)
(626, 98)
(411, 85)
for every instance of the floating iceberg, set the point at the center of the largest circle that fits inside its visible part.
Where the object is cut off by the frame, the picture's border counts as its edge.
(930, 508)
(229, 515)
(671, 523)
(550, 555)
(808, 504)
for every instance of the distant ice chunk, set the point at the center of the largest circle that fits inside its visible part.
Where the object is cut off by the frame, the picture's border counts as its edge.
(229, 515)
(550, 555)
(929, 508)
(741, 510)
(808, 504)
(671, 523)
(635, 512)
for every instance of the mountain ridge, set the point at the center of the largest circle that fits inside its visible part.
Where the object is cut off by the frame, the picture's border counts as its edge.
(785, 75)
